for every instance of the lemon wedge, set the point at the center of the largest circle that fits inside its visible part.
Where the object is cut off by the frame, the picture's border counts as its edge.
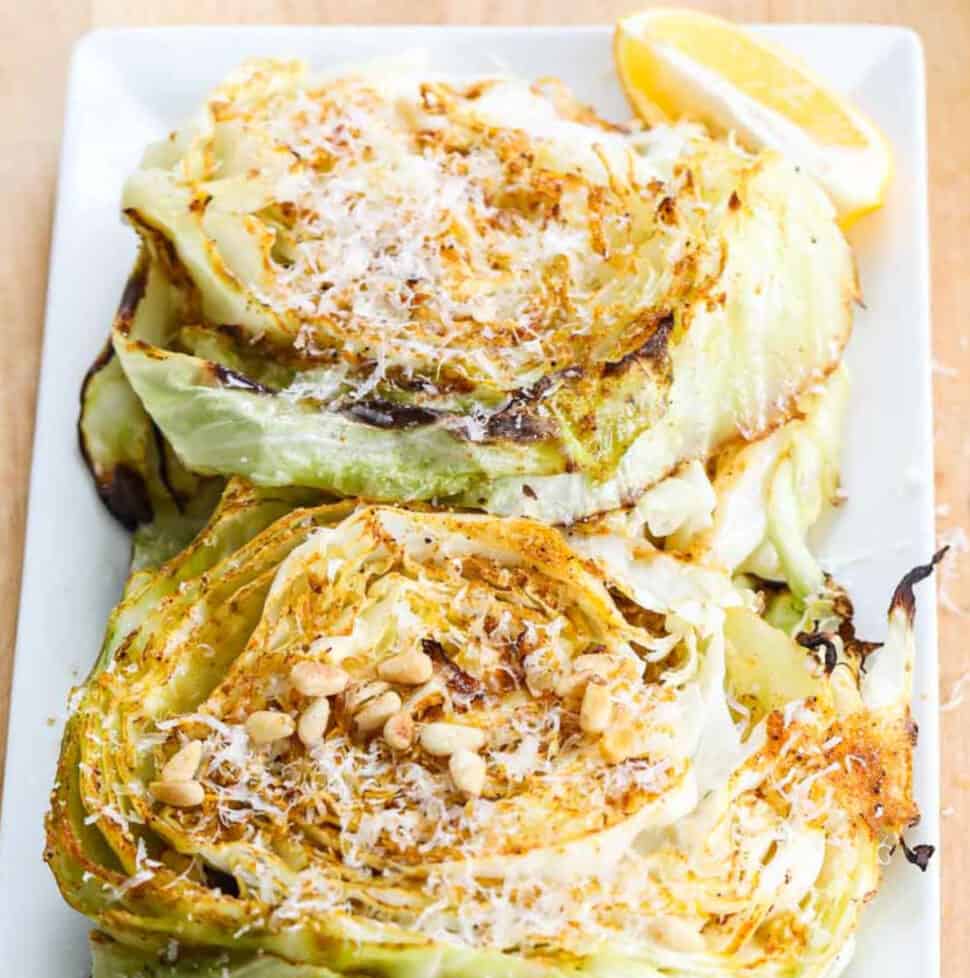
(680, 64)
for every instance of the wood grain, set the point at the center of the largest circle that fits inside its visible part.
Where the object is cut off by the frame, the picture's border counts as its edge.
(35, 41)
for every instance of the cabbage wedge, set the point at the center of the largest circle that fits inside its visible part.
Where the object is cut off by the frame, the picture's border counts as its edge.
(462, 810)
(380, 285)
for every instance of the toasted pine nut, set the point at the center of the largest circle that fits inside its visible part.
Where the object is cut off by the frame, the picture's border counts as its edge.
(399, 731)
(467, 770)
(597, 709)
(376, 712)
(318, 679)
(424, 697)
(575, 682)
(313, 721)
(620, 742)
(184, 763)
(265, 726)
(409, 668)
(360, 693)
(598, 663)
(178, 794)
(443, 739)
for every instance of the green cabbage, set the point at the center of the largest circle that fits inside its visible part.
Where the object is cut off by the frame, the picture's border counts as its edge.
(733, 298)
(606, 859)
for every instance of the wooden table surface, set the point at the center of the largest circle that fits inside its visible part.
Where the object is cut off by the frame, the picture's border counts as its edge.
(35, 41)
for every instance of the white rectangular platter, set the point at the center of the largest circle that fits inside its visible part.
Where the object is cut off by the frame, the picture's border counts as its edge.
(129, 87)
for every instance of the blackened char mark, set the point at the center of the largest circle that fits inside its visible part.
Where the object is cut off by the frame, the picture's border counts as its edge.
(386, 414)
(818, 640)
(516, 421)
(124, 492)
(655, 347)
(903, 595)
(133, 294)
(121, 489)
(516, 424)
(919, 855)
(856, 646)
(102, 360)
(912, 731)
(237, 381)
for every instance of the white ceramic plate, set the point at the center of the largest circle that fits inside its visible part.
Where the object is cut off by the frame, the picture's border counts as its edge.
(129, 87)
